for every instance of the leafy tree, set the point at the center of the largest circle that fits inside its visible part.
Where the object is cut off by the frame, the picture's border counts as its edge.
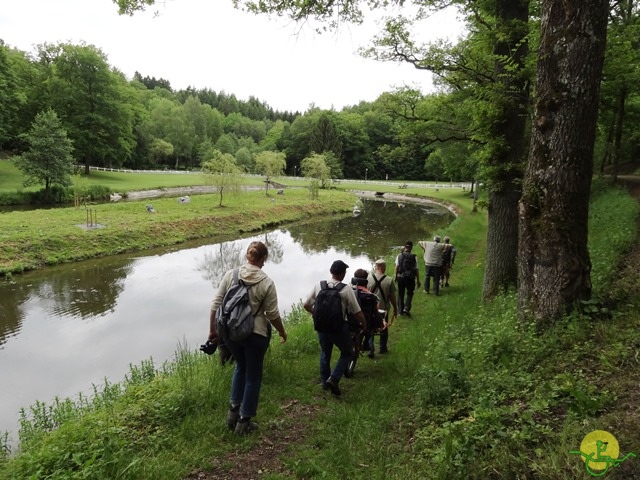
(152, 82)
(48, 158)
(356, 153)
(490, 66)
(222, 172)
(92, 101)
(227, 143)
(620, 95)
(270, 164)
(554, 264)
(324, 136)
(244, 159)
(273, 138)
(316, 169)
(160, 150)
(11, 97)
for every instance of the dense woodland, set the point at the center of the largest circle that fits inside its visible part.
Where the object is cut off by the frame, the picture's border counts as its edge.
(535, 98)
(143, 123)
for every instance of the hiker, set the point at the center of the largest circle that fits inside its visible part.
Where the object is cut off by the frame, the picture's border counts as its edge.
(339, 335)
(384, 287)
(249, 354)
(448, 256)
(433, 263)
(407, 277)
(368, 302)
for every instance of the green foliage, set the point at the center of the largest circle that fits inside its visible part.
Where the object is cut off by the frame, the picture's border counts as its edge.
(316, 169)
(270, 164)
(495, 395)
(48, 159)
(223, 173)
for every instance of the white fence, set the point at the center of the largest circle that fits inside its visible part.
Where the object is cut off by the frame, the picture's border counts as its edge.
(384, 183)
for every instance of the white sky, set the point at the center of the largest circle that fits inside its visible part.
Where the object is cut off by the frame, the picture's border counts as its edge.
(209, 44)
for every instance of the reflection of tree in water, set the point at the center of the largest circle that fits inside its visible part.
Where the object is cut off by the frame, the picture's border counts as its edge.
(381, 228)
(274, 243)
(82, 290)
(86, 292)
(11, 315)
(220, 258)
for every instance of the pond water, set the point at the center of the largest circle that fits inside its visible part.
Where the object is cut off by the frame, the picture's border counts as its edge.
(64, 329)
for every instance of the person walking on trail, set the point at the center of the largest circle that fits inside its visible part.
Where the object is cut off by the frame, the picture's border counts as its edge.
(407, 276)
(340, 335)
(433, 263)
(384, 287)
(368, 302)
(249, 354)
(448, 257)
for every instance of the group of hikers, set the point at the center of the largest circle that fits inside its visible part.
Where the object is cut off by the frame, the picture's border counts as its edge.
(438, 260)
(368, 305)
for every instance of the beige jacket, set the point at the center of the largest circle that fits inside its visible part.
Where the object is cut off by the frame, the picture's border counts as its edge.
(263, 297)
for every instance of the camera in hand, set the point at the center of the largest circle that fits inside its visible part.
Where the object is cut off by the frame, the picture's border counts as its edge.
(209, 347)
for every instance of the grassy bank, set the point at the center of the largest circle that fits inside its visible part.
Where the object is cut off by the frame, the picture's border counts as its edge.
(33, 239)
(465, 393)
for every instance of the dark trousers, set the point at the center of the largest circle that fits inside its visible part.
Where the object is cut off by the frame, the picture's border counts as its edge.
(406, 287)
(432, 271)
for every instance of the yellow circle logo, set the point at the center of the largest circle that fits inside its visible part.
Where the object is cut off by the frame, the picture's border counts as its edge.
(600, 445)
(600, 451)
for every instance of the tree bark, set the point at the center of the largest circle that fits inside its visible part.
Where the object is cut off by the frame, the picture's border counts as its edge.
(554, 264)
(508, 131)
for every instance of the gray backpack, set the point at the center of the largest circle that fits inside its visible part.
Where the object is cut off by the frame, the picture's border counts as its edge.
(234, 318)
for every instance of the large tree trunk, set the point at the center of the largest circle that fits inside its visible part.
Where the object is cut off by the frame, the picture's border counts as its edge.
(508, 127)
(554, 264)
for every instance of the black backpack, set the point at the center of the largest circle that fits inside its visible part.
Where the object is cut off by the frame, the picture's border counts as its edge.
(407, 265)
(328, 316)
(234, 318)
(369, 305)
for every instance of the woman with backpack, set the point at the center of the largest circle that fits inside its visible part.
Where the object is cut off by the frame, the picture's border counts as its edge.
(248, 353)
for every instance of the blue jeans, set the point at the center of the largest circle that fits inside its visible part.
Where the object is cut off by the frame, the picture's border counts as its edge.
(343, 341)
(384, 338)
(247, 376)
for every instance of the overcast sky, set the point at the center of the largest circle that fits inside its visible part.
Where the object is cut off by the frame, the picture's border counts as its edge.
(209, 44)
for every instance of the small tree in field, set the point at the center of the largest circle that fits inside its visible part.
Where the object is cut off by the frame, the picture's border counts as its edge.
(222, 172)
(315, 168)
(270, 164)
(48, 159)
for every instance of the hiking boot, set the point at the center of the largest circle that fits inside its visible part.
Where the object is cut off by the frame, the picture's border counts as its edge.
(333, 386)
(407, 313)
(382, 351)
(371, 355)
(232, 418)
(245, 427)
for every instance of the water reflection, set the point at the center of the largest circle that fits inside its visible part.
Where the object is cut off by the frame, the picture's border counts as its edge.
(65, 328)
